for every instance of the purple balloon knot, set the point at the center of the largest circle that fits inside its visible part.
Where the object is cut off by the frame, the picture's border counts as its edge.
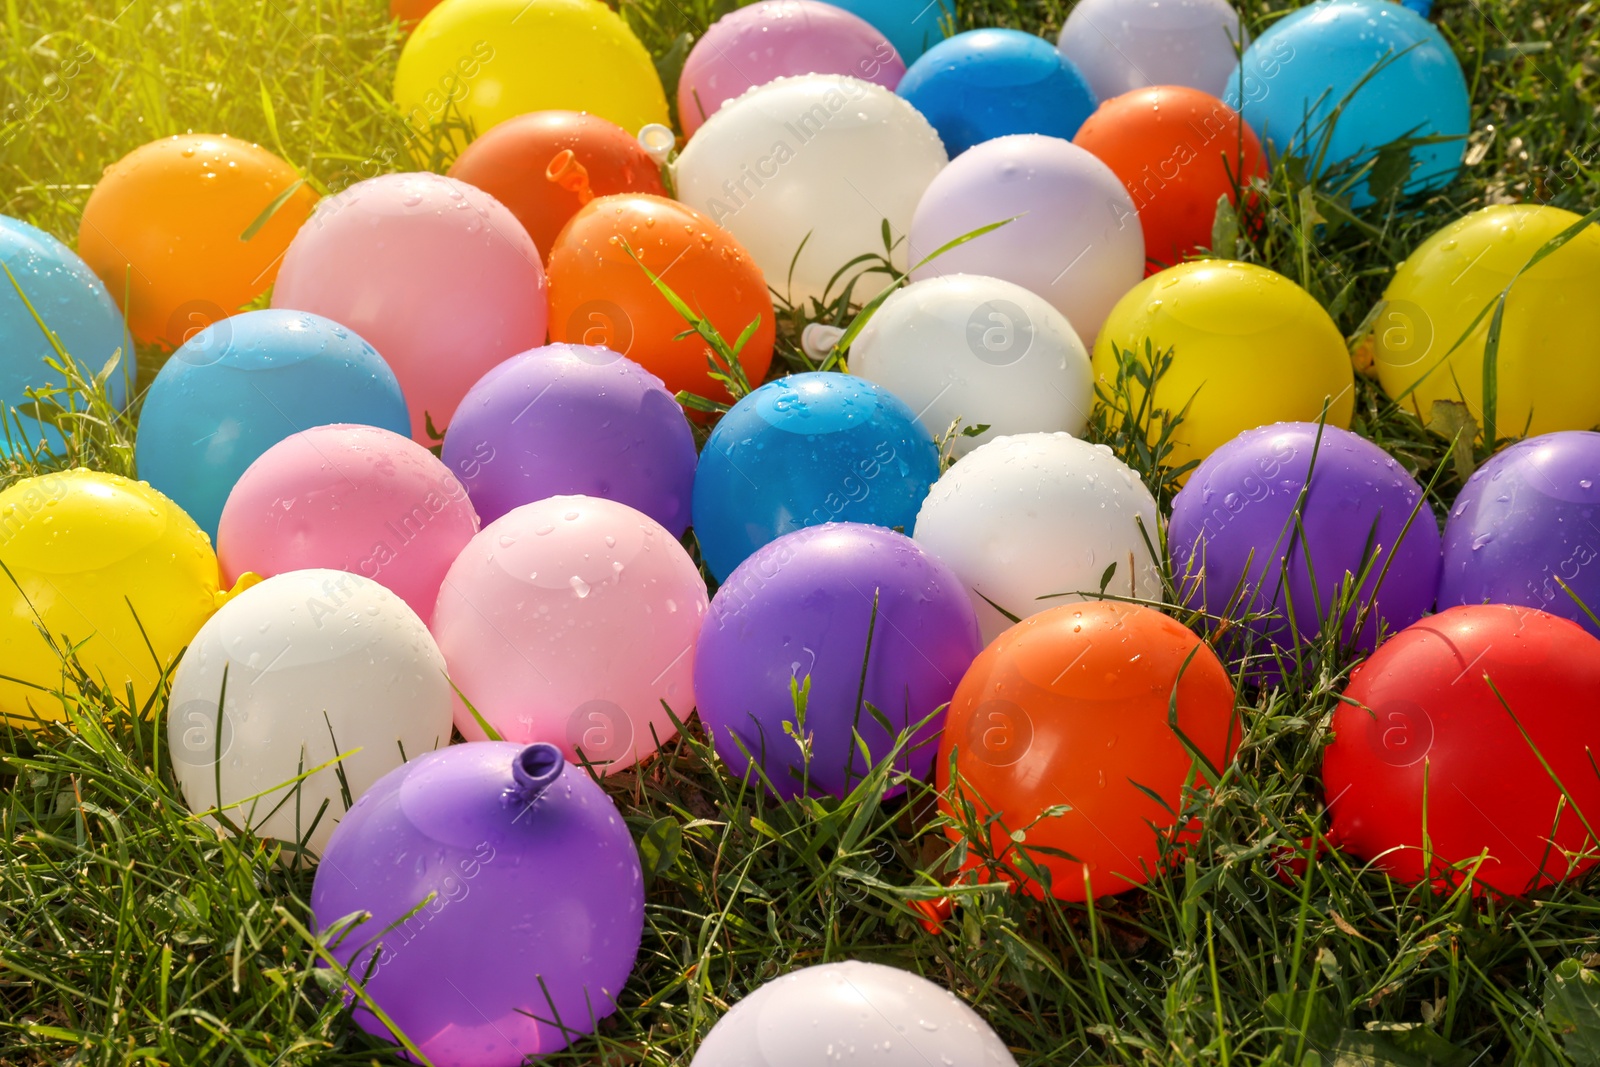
(535, 769)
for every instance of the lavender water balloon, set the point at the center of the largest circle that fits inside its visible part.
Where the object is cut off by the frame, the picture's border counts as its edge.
(1234, 531)
(1524, 530)
(521, 897)
(573, 419)
(813, 607)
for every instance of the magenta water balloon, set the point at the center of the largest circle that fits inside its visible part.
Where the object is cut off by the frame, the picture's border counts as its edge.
(567, 420)
(805, 607)
(505, 902)
(1526, 523)
(769, 39)
(1250, 535)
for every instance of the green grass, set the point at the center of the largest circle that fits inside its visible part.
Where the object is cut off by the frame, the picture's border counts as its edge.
(130, 933)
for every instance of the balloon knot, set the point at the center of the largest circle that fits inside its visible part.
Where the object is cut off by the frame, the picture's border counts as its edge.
(567, 172)
(535, 769)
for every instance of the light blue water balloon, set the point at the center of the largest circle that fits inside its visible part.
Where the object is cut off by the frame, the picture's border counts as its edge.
(1290, 80)
(243, 384)
(76, 307)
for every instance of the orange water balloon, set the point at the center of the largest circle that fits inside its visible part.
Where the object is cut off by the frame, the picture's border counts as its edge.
(1068, 710)
(546, 165)
(1178, 151)
(180, 228)
(599, 295)
(410, 12)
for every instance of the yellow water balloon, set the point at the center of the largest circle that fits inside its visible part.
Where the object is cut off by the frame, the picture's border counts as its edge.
(1547, 376)
(106, 565)
(485, 61)
(1249, 347)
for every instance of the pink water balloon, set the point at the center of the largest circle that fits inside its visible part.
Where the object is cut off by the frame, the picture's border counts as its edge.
(349, 498)
(778, 39)
(434, 273)
(572, 620)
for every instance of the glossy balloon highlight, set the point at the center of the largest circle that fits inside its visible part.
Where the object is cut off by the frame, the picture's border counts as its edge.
(569, 419)
(179, 230)
(601, 295)
(546, 165)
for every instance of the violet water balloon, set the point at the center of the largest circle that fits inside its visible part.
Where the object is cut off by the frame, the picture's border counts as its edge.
(818, 607)
(567, 419)
(503, 897)
(1525, 525)
(1247, 521)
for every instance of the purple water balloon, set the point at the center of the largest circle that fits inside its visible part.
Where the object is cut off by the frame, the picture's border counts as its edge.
(573, 420)
(531, 902)
(1524, 524)
(803, 606)
(1233, 527)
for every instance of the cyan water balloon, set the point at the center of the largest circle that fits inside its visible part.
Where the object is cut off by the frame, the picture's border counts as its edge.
(1387, 68)
(912, 26)
(76, 307)
(243, 384)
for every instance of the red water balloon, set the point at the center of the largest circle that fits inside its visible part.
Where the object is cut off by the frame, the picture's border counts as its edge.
(1175, 149)
(1481, 709)
(1069, 710)
(546, 165)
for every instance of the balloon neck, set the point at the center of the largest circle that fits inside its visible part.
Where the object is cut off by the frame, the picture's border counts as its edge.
(567, 172)
(817, 340)
(658, 141)
(535, 769)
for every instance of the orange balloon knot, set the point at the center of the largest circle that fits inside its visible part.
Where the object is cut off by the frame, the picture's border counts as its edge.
(567, 172)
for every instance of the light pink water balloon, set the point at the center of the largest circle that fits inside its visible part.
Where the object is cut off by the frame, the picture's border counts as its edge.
(434, 273)
(572, 620)
(349, 498)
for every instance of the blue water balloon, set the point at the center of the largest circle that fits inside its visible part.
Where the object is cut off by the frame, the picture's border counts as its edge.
(984, 84)
(243, 384)
(74, 304)
(912, 26)
(1392, 71)
(805, 450)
